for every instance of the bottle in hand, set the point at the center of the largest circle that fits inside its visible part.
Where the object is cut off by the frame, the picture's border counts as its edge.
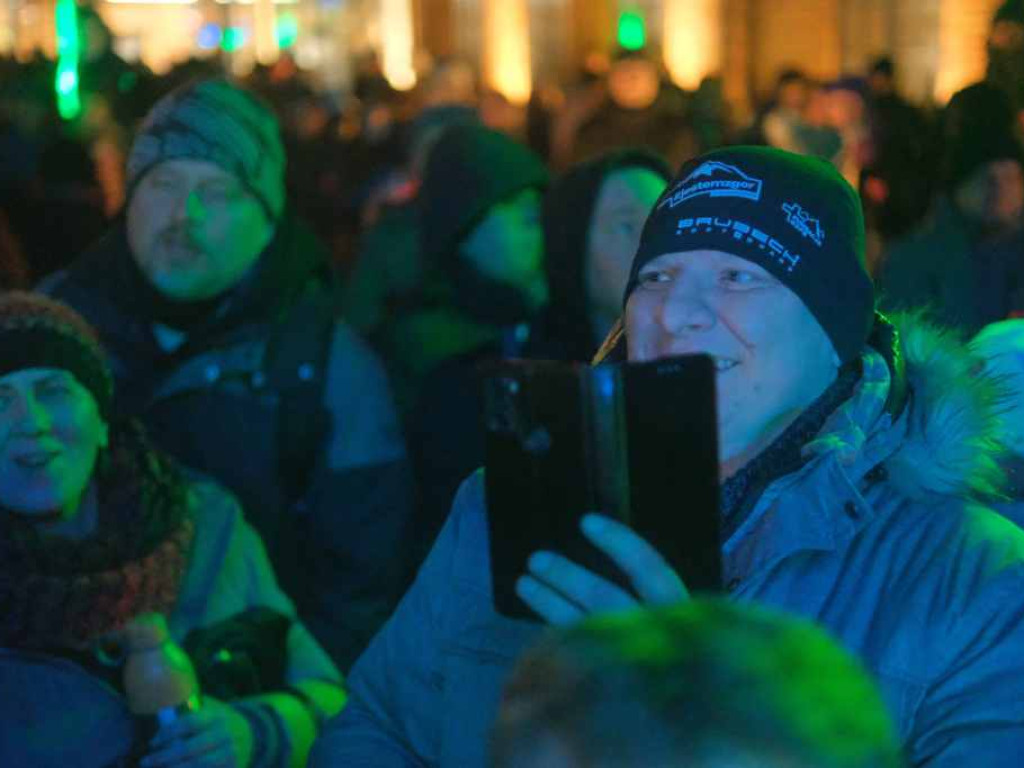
(159, 680)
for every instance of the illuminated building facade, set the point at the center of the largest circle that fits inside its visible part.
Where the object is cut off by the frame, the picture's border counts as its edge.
(938, 45)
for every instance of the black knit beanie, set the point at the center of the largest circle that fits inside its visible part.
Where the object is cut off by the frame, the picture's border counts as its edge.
(470, 170)
(794, 216)
(38, 332)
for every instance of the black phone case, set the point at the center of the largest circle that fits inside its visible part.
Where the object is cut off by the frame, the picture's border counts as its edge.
(634, 441)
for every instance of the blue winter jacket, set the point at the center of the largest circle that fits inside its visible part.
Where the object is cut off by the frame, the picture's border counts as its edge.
(873, 538)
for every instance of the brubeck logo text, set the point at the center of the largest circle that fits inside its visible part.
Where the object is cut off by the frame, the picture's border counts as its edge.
(714, 179)
(743, 231)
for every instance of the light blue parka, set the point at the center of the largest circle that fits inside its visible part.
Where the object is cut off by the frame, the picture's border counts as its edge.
(874, 538)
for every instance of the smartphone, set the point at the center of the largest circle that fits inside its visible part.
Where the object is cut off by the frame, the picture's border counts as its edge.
(634, 441)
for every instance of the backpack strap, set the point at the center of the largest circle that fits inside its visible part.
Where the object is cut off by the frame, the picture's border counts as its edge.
(295, 366)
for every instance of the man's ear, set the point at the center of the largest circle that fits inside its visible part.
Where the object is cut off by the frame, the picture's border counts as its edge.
(835, 359)
(104, 435)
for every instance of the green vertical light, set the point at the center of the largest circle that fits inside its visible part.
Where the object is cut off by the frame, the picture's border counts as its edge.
(632, 33)
(69, 102)
(233, 39)
(287, 30)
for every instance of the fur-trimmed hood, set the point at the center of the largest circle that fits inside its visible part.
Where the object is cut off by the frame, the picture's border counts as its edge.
(942, 441)
(923, 411)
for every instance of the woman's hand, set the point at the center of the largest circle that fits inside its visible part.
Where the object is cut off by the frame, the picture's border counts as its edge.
(215, 735)
(562, 592)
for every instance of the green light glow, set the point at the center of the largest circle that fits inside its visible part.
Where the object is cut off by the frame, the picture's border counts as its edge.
(287, 30)
(234, 38)
(69, 102)
(632, 33)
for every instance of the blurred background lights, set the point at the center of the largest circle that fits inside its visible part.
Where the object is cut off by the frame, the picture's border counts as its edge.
(209, 36)
(287, 30)
(632, 33)
(398, 43)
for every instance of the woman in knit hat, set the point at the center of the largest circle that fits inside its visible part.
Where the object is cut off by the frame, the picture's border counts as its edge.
(98, 528)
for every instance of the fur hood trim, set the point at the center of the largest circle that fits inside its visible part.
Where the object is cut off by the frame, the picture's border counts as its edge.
(944, 442)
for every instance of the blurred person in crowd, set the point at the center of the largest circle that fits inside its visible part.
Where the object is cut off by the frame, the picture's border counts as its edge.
(319, 186)
(482, 286)
(964, 260)
(99, 527)
(634, 105)
(709, 113)
(897, 185)
(797, 119)
(450, 82)
(849, 114)
(129, 89)
(705, 684)
(850, 458)
(18, 160)
(547, 99)
(592, 219)
(781, 121)
(388, 265)
(1006, 56)
(62, 213)
(214, 304)
(14, 270)
(500, 114)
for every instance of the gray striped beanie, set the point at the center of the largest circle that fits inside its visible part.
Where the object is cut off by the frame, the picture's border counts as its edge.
(218, 122)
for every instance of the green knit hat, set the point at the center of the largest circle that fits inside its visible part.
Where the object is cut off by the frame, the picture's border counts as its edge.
(38, 332)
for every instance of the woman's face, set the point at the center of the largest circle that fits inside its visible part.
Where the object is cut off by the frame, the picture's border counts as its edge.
(626, 198)
(50, 434)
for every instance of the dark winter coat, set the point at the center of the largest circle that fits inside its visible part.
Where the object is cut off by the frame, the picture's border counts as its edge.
(309, 442)
(875, 537)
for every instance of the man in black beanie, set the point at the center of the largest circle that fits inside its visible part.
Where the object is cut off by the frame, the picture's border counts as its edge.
(214, 302)
(851, 459)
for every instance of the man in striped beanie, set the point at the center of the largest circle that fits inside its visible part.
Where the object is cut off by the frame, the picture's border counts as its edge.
(215, 304)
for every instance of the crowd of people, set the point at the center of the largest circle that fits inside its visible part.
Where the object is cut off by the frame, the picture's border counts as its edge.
(240, 335)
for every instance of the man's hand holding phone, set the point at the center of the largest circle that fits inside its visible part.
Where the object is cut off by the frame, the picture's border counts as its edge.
(562, 592)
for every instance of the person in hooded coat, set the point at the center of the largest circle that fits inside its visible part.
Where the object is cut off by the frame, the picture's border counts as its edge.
(214, 304)
(853, 452)
(592, 217)
(481, 287)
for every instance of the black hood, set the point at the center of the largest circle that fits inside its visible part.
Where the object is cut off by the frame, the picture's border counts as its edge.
(567, 213)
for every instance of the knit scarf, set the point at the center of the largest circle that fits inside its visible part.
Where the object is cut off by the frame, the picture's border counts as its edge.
(61, 593)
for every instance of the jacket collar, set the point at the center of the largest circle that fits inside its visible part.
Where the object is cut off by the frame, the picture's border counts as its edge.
(941, 444)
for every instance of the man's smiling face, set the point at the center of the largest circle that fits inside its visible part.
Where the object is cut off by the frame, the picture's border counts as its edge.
(772, 357)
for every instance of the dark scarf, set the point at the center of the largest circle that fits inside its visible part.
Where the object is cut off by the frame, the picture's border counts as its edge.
(740, 492)
(64, 593)
(292, 258)
(273, 282)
